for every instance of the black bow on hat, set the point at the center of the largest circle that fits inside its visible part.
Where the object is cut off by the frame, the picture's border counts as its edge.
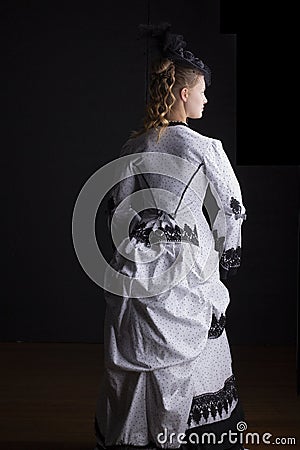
(172, 46)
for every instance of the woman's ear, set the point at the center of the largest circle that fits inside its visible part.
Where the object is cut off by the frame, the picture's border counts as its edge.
(184, 94)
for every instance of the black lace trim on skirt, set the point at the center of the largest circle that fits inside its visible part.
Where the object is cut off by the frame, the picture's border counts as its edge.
(168, 233)
(214, 403)
(219, 429)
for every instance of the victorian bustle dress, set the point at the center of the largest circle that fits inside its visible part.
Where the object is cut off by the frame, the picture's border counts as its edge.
(167, 360)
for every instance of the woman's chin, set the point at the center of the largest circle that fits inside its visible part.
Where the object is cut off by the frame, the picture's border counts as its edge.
(199, 115)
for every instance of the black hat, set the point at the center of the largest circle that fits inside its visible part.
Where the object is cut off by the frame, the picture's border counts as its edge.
(172, 46)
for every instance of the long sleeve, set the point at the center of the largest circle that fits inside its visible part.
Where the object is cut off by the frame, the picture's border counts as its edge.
(228, 222)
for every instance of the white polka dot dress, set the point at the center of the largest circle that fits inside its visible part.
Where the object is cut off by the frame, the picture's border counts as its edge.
(168, 367)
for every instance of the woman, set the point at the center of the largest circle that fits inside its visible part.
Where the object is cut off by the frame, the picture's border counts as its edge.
(168, 377)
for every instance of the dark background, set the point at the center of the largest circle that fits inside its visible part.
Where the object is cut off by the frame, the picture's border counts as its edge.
(73, 87)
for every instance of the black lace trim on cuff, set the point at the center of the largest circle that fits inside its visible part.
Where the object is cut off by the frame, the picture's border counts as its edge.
(231, 258)
(217, 326)
(214, 403)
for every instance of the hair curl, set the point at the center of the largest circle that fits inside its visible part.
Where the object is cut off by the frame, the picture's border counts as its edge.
(166, 79)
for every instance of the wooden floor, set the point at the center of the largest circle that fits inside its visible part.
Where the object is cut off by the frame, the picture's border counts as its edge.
(48, 394)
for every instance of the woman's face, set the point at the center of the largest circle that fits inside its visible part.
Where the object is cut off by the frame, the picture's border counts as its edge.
(195, 100)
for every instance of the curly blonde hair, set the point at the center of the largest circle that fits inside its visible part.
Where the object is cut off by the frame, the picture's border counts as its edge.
(166, 79)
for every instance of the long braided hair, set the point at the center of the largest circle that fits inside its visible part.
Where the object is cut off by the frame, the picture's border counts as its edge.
(166, 80)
